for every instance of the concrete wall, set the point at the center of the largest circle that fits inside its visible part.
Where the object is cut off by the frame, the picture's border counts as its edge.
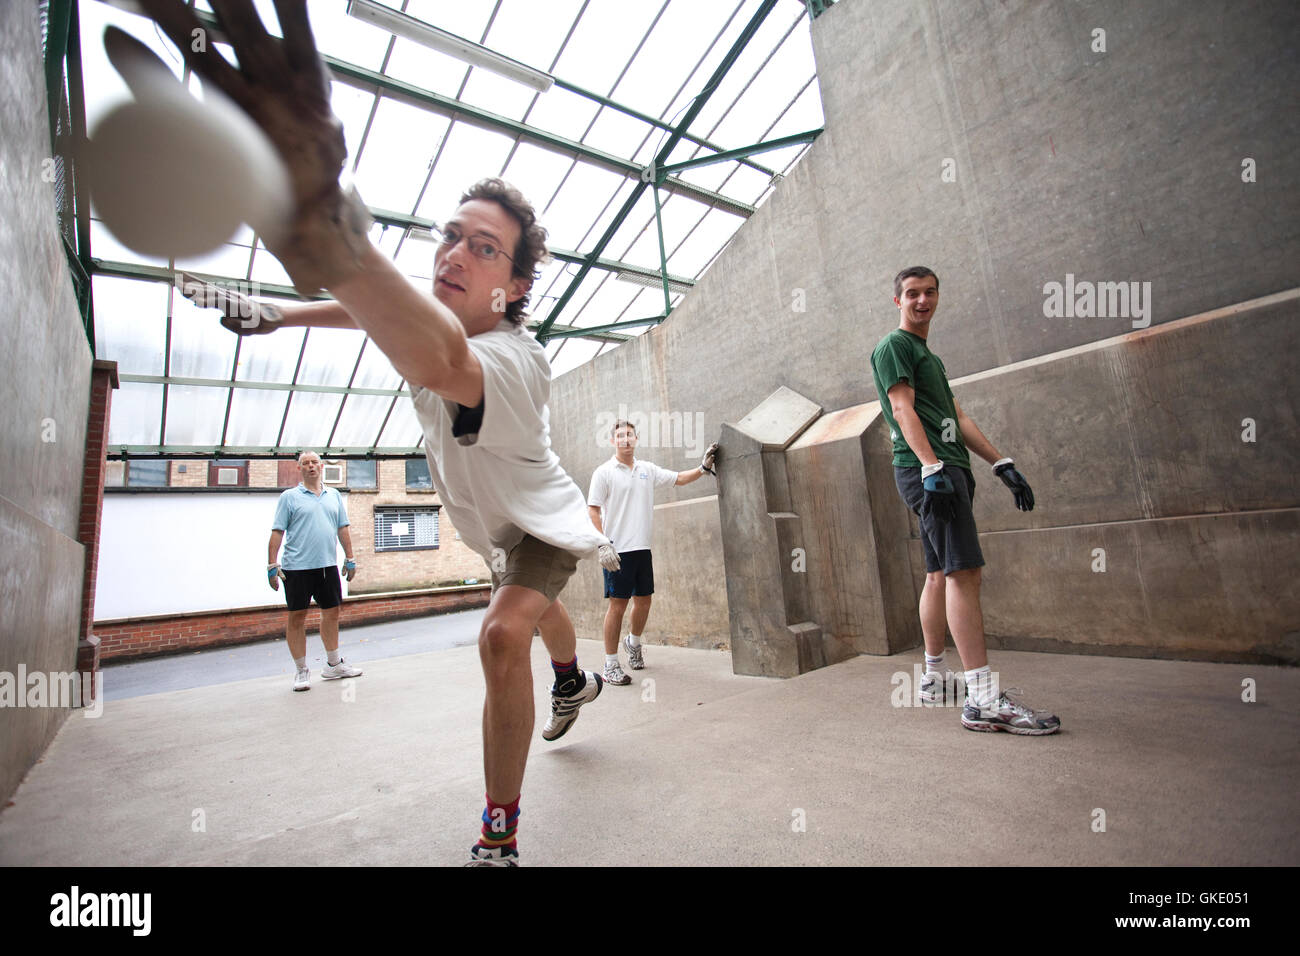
(44, 391)
(1117, 166)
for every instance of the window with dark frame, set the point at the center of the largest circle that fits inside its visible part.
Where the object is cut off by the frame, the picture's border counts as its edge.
(406, 529)
(417, 474)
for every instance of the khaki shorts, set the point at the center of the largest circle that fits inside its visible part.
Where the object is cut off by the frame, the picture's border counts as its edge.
(533, 563)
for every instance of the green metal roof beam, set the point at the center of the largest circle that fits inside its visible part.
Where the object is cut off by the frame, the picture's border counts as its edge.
(722, 157)
(576, 332)
(645, 118)
(665, 151)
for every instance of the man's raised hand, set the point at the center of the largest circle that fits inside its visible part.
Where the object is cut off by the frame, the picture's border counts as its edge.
(284, 87)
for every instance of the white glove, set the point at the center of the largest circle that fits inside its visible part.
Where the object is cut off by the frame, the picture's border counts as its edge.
(706, 463)
(608, 557)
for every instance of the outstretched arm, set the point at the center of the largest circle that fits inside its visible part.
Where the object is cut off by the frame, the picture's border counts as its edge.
(284, 87)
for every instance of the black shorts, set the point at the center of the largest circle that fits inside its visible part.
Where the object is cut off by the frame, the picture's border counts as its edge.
(956, 547)
(319, 583)
(635, 576)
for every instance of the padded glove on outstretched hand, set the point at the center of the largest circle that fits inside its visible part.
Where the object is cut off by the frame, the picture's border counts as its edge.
(940, 501)
(239, 313)
(284, 88)
(1005, 469)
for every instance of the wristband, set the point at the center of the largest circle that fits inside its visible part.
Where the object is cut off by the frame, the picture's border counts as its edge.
(1002, 461)
(928, 470)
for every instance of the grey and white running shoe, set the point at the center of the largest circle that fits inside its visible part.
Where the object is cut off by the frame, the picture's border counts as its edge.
(1010, 713)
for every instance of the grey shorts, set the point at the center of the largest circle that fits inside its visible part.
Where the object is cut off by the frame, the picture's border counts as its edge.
(956, 546)
(533, 563)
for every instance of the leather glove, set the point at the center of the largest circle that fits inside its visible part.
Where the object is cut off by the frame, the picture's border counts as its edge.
(284, 87)
(940, 501)
(239, 313)
(1005, 469)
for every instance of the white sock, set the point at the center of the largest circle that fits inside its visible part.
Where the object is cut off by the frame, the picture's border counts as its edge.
(333, 657)
(300, 663)
(981, 687)
(633, 639)
(934, 665)
(611, 659)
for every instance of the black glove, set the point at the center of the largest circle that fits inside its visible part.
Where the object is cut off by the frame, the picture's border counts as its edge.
(940, 501)
(1016, 482)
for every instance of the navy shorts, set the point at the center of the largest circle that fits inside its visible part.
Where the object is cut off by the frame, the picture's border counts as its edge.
(319, 583)
(956, 546)
(635, 576)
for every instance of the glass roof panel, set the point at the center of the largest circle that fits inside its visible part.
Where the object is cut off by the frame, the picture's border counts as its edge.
(375, 371)
(403, 429)
(195, 415)
(267, 268)
(270, 358)
(396, 156)
(563, 113)
(606, 37)
(106, 246)
(576, 352)
(135, 414)
(331, 356)
(470, 154)
(311, 415)
(255, 416)
(713, 232)
(742, 71)
(201, 346)
(532, 32)
(620, 134)
(360, 420)
(131, 323)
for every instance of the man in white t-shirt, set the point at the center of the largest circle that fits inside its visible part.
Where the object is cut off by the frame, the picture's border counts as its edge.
(621, 503)
(480, 383)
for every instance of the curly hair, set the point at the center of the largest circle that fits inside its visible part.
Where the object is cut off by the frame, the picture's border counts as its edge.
(530, 251)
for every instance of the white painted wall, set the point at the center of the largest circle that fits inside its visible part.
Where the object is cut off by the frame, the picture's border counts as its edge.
(173, 553)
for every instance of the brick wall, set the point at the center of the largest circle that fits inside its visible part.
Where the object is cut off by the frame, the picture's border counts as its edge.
(195, 474)
(263, 473)
(103, 381)
(152, 637)
(452, 561)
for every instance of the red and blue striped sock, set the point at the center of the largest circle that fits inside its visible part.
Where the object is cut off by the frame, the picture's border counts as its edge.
(565, 672)
(500, 824)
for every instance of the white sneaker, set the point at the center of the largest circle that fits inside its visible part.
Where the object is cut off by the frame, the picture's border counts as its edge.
(634, 658)
(341, 669)
(614, 675)
(302, 680)
(937, 689)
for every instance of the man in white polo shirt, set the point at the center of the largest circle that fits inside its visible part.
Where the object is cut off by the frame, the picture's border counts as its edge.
(621, 503)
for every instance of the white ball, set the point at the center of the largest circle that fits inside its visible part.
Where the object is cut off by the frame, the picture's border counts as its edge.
(174, 177)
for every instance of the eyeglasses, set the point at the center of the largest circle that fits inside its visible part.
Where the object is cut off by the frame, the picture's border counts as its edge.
(480, 247)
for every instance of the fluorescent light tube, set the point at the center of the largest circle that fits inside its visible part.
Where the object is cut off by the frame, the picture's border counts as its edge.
(426, 34)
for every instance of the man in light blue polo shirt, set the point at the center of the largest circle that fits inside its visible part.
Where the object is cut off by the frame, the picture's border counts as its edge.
(309, 519)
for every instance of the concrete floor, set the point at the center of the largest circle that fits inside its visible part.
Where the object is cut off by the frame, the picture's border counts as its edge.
(699, 767)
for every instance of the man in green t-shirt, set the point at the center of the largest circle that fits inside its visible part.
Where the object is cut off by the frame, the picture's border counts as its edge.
(931, 435)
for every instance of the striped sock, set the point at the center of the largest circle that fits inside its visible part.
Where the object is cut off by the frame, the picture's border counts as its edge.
(500, 824)
(934, 665)
(564, 671)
